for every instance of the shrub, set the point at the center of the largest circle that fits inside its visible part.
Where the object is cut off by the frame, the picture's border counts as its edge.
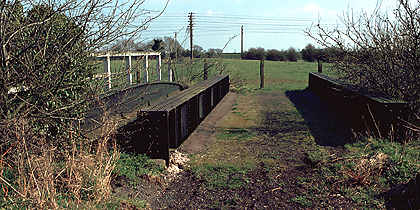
(292, 54)
(254, 54)
(379, 53)
(276, 55)
(45, 91)
(309, 53)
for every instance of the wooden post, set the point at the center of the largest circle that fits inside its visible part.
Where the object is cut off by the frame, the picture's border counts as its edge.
(129, 70)
(138, 76)
(170, 76)
(146, 68)
(176, 58)
(262, 73)
(205, 72)
(319, 66)
(158, 64)
(191, 35)
(107, 66)
(242, 41)
(176, 50)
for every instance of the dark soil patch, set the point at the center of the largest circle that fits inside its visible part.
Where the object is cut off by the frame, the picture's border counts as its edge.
(282, 132)
(192, 193)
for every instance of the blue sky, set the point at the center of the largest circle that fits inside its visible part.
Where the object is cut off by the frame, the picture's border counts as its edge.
(271, 24)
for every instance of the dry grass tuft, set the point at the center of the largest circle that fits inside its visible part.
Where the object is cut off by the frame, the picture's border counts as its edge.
(38, 173)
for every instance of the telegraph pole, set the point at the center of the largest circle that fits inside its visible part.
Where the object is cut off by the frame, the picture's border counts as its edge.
(242, 41)
(176, 49)
(191, 34)
(176, 58)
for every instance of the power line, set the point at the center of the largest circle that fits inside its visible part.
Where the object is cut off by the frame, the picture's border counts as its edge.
(221, 25)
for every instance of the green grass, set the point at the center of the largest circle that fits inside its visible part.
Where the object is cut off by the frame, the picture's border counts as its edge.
(302, 200)
(231, 55)
(279, 76)
(238, 134)
(222, 175)
(403, 160)
(118, 203)
(361, 182)
(133, 166)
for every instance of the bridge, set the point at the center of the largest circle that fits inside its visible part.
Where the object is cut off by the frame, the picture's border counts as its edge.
(156, 117)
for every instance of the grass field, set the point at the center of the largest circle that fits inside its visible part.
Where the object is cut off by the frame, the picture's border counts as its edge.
(280, 147)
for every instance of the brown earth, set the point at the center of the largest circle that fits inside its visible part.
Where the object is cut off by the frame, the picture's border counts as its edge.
(266, 134)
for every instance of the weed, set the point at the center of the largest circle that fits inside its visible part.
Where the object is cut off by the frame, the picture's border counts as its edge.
(316, 156)
(239, 134)
(133, 166)
(123, 203)
(368, 169)
(302, 200)
(401, 162)
(222, 175)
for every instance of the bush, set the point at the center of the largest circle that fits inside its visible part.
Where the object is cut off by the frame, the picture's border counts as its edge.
(379, 53)
(46, 88)
(309, 53)
(254, 54)
(276, 55)
(292, 54)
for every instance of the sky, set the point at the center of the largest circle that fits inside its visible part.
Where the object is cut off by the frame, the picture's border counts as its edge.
(271, 24)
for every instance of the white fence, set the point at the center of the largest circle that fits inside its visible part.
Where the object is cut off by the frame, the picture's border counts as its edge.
(129, 57)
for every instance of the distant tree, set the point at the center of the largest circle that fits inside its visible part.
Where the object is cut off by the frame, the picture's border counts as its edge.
(125, 45)
(255, 54)
(292, 54)
(309, 53)
(158, 45)
(197, 51)
(211, 53)
(329, 54)
(186, 53)
(276, 55)
(172, 47)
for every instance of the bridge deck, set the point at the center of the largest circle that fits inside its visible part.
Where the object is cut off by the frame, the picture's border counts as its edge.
(168, 123)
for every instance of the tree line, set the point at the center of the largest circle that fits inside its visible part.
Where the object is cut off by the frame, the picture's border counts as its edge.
(168, 46)
(310, 54)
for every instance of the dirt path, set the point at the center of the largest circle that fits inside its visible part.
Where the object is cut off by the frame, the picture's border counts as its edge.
(250, 153)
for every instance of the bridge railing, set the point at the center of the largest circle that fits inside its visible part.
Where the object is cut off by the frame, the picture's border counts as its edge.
(167, 124)
(364, 111)
(125, 103)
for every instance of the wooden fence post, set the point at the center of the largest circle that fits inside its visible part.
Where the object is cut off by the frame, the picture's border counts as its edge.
(107, 67)
(319, 66)
(170, 73)
(138, 70)
(262, 73)
(205, 72)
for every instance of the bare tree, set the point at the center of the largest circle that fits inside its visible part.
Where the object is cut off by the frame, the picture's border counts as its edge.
(46, 87)
(378, 51)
